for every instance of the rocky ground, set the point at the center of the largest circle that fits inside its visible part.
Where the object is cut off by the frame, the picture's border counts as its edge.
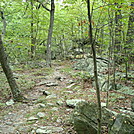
(49, 108)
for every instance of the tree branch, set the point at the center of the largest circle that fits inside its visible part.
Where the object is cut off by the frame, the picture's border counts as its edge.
(43, 5)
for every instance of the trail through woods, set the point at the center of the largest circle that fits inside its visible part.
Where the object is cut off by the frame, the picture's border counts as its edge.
(47, 111)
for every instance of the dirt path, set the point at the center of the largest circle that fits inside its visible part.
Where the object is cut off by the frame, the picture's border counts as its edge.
(23, 118)
(47, 112)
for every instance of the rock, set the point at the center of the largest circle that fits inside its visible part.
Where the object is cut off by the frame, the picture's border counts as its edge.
(54, 109)
(10, 102)
(51, 96)
(84, 118)
(70, 86)
(50, 104)
(72, 103)
(122, 125)
(71, 82)
(48, 130)
(103, 104)
(46, 93)
(41, 114)
(69, 92)
(52, 84)
(32, 118)
(60, 103)
(41, 105)
(42, 83)
(60, 78)
(9, 123)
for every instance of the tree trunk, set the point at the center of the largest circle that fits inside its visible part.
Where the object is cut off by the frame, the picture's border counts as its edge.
(50, 31)
(32, 32)
(9, 75)
(95, 67)
(130, 31)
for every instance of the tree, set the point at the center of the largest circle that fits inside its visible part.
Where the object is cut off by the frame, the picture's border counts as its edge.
(50, 32)
(9, 75)
(95, 66)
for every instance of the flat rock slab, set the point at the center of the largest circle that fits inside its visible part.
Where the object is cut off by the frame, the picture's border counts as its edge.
(32, 118)
(72, 103)
(47, 83)
(52, 84)
(48, 130)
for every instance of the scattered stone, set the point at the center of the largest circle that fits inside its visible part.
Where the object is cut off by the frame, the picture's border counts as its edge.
(42, 83)
(41, 114)
(71, 81)
(9, 123)
(60, 102)
(46, 93)
(93, 90)
(41, 105)
(32, 118)
(58, 120)
(70, 92)
(60, 78)
(54, 109)
(48, 130)
(70, 86)
(51, 96)
(51, 84)
(72, 103)
(10, 102)
(50, 104)
(103, 104)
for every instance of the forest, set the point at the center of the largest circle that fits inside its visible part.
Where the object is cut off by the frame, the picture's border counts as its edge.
(67, 67)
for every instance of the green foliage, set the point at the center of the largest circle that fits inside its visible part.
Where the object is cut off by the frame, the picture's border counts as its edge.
(82, 75)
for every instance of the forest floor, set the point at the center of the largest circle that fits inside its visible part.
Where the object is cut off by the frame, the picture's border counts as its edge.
(48, 89)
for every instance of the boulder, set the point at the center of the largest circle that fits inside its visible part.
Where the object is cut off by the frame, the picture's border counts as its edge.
(122, 125)
(73, 102)
(84, 118)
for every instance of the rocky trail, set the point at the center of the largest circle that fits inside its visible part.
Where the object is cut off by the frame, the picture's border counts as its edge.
(45, 113)
(52, 99)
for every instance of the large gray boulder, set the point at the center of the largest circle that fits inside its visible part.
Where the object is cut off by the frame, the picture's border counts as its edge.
(84, 118)
(122, 125)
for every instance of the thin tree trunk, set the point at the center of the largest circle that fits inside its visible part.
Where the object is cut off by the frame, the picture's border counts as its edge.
(32, 32)
(95, 67)
(50, 31)
(9, 75)
(129, 39)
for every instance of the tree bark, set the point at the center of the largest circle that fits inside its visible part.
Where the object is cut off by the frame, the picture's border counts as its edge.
(50, 31)
(95, 67)
(130, 31)
(32, 32)
(9, 75)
